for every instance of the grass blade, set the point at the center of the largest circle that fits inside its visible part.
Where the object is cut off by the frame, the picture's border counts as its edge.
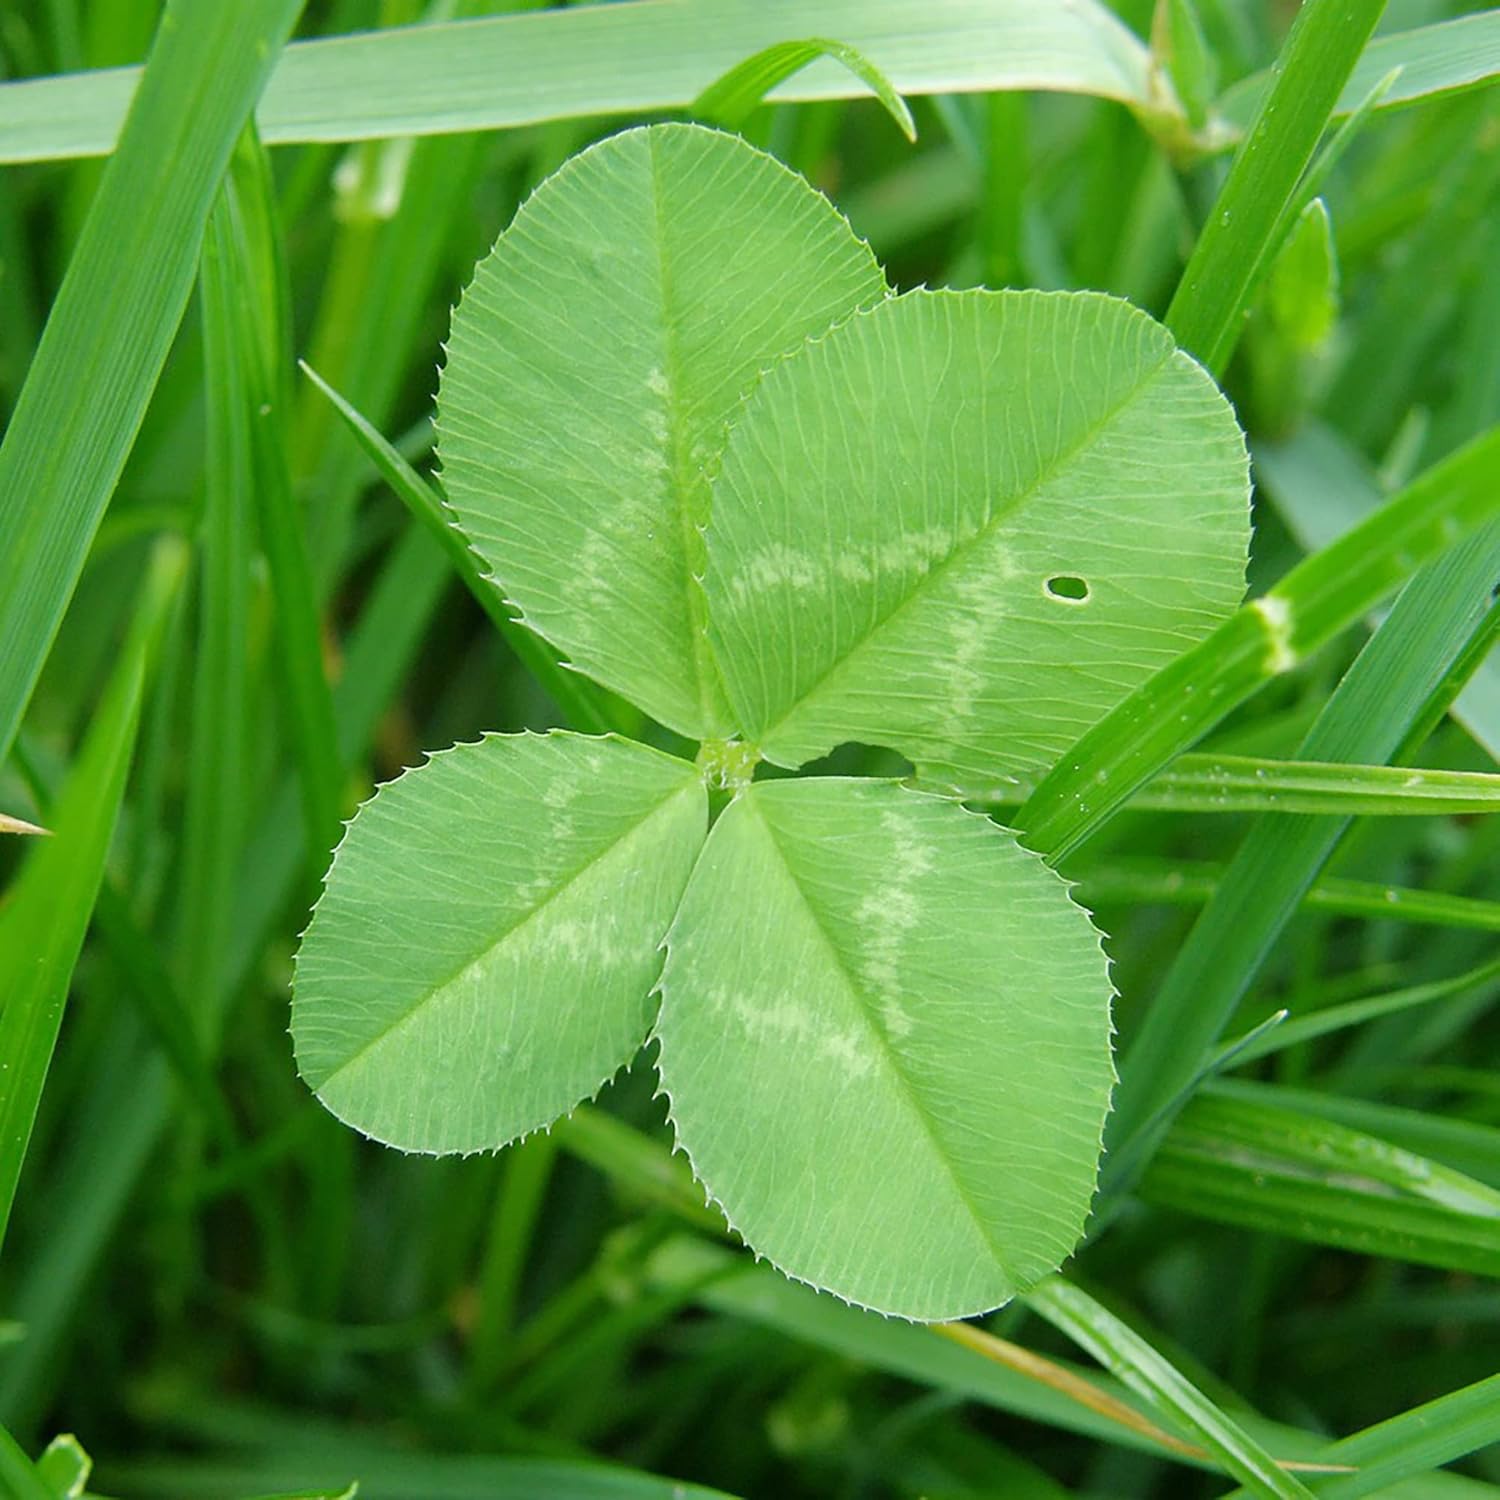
(585, 707)
(1271, 635)
(731, 99)
(1132, 1361)
(1416, 1442)
(617, 59)
(1438, 59)
(115, 315)
(1237, 239)
(46, 915)
(1372, 711)
(1234, 1159)
(1192, 883)
(9, 824)
(1212, 783)
(257, 336)
(18, 1474)
(1356, 1012)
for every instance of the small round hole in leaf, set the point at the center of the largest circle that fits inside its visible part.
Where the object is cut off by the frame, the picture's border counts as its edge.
(1068, 587)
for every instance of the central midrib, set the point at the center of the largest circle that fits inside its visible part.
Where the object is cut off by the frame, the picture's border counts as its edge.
(968, 545)
(711, 700)
(883, 1046)
(499, 939)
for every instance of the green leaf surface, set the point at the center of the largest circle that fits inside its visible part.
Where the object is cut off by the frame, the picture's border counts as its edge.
(884, 1032)
(1269, 636)
(115, 315)
(965, 526)
(504, 71)
(593, 364)
(485, 949)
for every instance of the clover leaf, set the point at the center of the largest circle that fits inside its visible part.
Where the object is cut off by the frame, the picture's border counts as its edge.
(710, 458)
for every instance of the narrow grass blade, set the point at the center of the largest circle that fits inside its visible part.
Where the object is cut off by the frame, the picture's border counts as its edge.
(1271, 635)
(1320, 53)
(151, 987)
(1242, 783)
(18, 1474)
(253, 301)
(1321, 486)
(115, 315)
(46, 915)
(1209, 783)
(1416, 1442)
(1439, 59)
(585, 707)
(9, 824)
(731, 99)
(1179, 883)
(611, 60)
(1372, 711)
(1334, 1018)
(65, 1466)
(1128, 1357)
(1234, 1159)
(129, 1108)
(1059, 1377)
(1464, 1145)
(215, 820)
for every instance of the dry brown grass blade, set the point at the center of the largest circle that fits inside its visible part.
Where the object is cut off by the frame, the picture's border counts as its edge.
(1076, 1388)
(9, 824)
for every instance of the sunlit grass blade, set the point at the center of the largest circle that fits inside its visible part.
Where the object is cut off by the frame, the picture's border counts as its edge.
(731, 99)
(1271, 635)
(9, 824)
(1384, 694)
(1235, 1159)
(617, 59)
(47, 911)
(1315, 63)
(585, 707)
(1438, 59)
(1128, 1357)
(115, 316)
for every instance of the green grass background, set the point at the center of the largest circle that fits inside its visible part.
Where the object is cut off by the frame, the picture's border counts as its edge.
(224, 619)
